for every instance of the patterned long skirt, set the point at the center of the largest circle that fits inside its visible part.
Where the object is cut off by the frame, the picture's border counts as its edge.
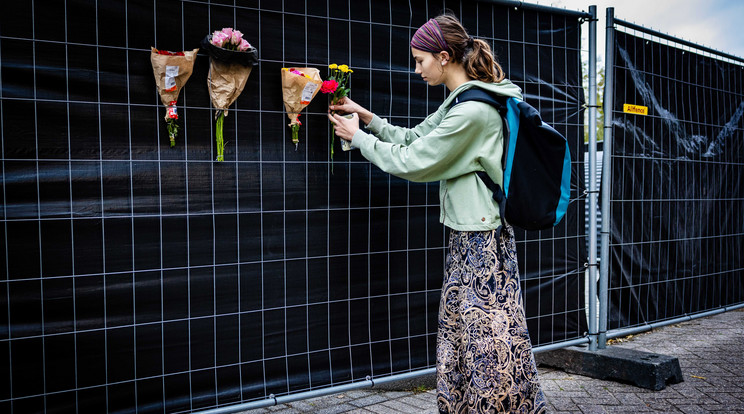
(484, 355)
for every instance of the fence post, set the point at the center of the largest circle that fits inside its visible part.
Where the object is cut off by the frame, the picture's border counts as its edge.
(604, 259)
(592, 179)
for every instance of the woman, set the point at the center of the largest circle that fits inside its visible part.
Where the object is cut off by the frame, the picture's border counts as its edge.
(484, 356)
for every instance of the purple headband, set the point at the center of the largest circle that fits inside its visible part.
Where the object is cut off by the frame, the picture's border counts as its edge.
(429, 38)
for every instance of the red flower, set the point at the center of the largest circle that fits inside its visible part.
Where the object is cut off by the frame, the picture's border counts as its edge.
(329, 86)
(167, 53)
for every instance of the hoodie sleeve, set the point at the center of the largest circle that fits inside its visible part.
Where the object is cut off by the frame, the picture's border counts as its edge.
(401, 135)
(449, 150)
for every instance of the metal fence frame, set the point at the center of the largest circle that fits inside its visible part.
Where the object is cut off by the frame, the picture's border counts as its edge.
(603, 334)
(589, 339)
(191, 113)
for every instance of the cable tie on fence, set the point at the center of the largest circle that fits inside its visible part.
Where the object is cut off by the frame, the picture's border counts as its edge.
(273, 397)
(592, 106)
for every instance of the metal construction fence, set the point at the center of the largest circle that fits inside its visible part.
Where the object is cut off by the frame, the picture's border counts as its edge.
(673, 197)
(142, 277)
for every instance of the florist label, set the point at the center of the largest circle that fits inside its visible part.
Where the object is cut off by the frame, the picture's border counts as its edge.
(171, 72)
(635, 109)
(307, 92)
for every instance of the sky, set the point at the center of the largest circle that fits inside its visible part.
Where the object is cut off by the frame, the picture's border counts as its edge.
(717, 24)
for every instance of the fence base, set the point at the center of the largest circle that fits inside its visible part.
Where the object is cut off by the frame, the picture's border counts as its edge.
(642, 369)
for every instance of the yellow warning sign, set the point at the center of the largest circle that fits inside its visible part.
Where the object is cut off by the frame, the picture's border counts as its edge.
(635, 109)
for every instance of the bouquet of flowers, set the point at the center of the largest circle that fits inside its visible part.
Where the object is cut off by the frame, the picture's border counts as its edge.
(337, 86)
(299, 87)
(171, 70)
(231, 59)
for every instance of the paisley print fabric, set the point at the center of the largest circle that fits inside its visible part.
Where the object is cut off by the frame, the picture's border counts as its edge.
(484, 355)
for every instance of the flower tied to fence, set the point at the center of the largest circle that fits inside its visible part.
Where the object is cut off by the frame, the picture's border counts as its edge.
(337, 85)
(171, 71)
(299, 87)
(231, 59)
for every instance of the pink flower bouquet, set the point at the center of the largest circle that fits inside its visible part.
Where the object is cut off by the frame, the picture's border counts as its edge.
(171, 70)
(299, 87)
(231, 59)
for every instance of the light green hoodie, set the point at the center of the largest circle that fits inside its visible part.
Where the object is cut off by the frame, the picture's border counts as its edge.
(449, 146)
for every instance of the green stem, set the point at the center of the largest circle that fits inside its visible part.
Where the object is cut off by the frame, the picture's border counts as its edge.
(334, 101)
(333, 140)
(220, 140)
(172, 126)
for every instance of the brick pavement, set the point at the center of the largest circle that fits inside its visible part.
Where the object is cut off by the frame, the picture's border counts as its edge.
(710, 352)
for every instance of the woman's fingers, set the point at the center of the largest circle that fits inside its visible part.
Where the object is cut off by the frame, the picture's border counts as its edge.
(345, 105)
(344, 127)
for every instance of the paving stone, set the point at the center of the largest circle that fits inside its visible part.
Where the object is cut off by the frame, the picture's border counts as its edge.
(359, 393)
(303, 406)
(340, 408)
(574, 394)
(368, 400)
(285, 410)
(394, 394)
(417, 402)
(711, 348)
(275, 408)
(326, 401)
(400, 406)
(693, 409)
(379, 409)
(592, 409)
(627, 398)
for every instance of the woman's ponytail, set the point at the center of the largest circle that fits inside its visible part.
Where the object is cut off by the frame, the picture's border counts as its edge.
(480, 64)
(475, 55)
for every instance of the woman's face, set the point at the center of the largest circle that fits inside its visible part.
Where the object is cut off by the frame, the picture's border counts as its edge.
(429, 66)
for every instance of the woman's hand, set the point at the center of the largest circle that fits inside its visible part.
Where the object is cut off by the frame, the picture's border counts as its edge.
(345, 127)
(347, 106)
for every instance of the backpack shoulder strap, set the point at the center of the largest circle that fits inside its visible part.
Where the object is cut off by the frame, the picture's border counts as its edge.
(478, 94)
(498, 102)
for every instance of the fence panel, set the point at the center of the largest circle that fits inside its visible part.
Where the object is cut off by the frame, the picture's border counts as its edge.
(138, 276)
(677, 227)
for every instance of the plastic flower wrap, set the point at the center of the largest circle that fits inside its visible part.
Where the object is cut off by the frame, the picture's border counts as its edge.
(171, 70)
(337, 86)
(299, 87)
(231, 59)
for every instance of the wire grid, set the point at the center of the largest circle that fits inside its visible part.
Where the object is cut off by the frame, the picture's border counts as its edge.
(148, 277)
(676, 201)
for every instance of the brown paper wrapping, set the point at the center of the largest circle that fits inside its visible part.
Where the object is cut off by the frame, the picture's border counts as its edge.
(160, 63)
(292, 90)
(226, 82)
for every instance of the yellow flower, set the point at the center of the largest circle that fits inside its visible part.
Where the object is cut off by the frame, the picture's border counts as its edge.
(332, 66)
(351, 71)
(343, 68)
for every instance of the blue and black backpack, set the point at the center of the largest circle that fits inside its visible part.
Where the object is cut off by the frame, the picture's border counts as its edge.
(536, 162)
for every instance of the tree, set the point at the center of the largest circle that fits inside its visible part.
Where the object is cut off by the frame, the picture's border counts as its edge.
(600, 100)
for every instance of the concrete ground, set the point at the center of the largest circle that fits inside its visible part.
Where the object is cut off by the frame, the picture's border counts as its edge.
(710, 352)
